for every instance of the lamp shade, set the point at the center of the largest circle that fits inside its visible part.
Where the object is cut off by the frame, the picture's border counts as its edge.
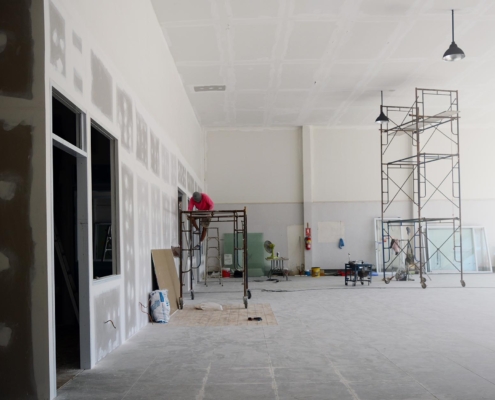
(382, 118)
(453, 53)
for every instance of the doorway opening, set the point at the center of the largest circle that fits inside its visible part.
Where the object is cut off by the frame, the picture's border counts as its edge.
(66, 266)
(69, 168)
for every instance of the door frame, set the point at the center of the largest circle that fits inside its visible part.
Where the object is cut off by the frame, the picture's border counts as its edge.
(84, 248)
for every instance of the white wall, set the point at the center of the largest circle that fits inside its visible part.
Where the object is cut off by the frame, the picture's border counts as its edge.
(346, 165)
(111, 61)
(260, 169)
(345, 184)
(254, 165)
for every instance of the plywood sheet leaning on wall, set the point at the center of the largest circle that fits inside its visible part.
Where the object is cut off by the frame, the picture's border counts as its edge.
(166, 276)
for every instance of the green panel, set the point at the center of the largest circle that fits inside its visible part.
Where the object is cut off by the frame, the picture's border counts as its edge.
(257, 264)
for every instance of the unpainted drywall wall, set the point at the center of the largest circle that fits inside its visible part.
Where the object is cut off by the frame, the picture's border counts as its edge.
(156, 218)
(144, 107)
(17, 253)
(23, 254)
(16, 49)
(101, 87)
(128, 34)
(108, 321)
(128, 263)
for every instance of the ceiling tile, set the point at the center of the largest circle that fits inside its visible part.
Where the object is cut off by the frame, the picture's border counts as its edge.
(298, 76)
(374, 53)
(344, 76)
(385, 7)
(213, 118)
(254, 8)
(207, 101)
(293, 99)
(250, 100)
(309, 40)
(193, 43)
(331, 99)
(478, 40)
(252, 76)
(439, 75)
(423, 41)
(250, 117)
(319, 116)
(356, 116)
(367, 40)
(285, 117)
(392, 75)
(201, 75)
(317, 7)
(254, 42)
(441, 7)
(181, 10)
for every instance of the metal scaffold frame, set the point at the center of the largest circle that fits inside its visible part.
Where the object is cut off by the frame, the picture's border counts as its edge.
(238, 219)
(432, 122)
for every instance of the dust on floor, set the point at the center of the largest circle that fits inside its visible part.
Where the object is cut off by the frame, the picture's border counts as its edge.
(232, 315)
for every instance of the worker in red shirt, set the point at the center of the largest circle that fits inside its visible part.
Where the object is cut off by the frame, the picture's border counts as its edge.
(202, 202)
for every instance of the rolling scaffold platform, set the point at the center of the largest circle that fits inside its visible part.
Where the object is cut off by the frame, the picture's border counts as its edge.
(420, 164)
(238, 219)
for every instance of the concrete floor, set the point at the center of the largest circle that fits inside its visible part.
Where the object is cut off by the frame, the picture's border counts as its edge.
(381, 342)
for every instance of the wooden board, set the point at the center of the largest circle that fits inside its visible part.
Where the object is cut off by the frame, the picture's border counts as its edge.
(166, 275)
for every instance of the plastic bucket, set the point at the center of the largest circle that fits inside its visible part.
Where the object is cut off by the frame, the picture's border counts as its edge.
(315, 272)
(225, 273)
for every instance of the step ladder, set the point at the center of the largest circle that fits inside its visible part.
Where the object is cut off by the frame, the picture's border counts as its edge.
(68, 277)
(108, 245)
(213, 255)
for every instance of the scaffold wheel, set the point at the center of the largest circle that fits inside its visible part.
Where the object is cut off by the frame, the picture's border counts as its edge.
(423, 280)
(245, 300)
(423, 285)
(192, 294)
(181, 303)
(248, 294)
(463, 283)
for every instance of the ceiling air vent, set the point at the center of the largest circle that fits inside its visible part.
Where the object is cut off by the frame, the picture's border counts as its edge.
(210, 88)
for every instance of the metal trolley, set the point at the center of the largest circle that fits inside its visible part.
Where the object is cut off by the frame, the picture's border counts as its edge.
(187, 248)
(355, 271)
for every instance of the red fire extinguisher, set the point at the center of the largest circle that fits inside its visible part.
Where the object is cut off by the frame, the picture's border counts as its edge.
(307, 239)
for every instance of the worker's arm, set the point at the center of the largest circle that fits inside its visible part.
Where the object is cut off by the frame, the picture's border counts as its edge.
(209, 201)
(191, 204)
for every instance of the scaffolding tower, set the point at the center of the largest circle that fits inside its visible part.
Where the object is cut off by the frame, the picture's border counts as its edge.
(420, 178)
(187, 248)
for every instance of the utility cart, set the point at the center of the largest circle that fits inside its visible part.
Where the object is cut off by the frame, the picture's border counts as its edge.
(358, 271)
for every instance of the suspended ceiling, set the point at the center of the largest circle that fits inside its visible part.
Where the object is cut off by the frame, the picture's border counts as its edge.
(324, 62)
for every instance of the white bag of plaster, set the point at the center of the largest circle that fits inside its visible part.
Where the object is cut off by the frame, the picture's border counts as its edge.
(159, 306)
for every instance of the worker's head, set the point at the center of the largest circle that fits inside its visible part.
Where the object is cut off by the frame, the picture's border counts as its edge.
(197, 197)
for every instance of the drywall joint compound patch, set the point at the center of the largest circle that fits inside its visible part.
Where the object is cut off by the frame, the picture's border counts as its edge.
(5, 335)
(7, 190)
(4, 262)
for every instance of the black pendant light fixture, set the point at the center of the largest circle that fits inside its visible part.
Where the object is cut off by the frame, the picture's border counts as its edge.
(382, 118)
(453, 53)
